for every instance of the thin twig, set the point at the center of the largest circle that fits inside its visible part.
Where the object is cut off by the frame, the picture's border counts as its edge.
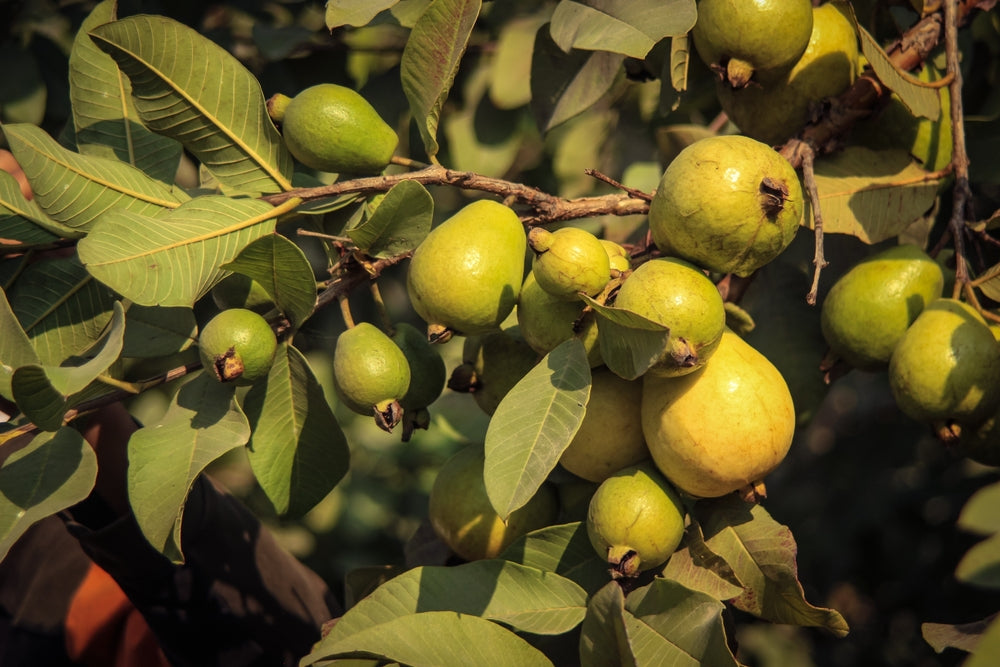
(632, 192)
(819, 259)
(959, 155)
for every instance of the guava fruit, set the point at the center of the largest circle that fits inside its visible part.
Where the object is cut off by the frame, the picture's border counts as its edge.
(237, 345)
(947, 365)
(370, 373)
(618, 258)
(462, 516)
(745, 40)
(779, 106)
(635, 520)
(241, 291)
(569, 261)
(427, 370)
(610, 436)
(679, 296)
(729, 204)
(492, 364)
(545, 321)
(333, 128)
(871, 306)
(465, 275)
(723, 427)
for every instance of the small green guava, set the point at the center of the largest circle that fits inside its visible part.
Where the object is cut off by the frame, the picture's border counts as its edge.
(729, 204)
(492, 364)
(370, 373)
(569, 261)
(870, 307)
(427, 370)
(545, 321)
(237, 345)
(635, 520)
(463, 517)
(679, 296)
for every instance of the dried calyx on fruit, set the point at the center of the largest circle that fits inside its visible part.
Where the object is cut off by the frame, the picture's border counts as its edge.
(370, 373)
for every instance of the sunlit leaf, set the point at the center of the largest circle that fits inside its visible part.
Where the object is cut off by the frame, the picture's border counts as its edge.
(920, 100)
(980, 566)
(354, 12)
(510, 73)
(401, 221)
(987, 651)
(15, 347)
(630, 343)
(297, 451)
(629, 27)
(963, 636)
(979, 514)
(533, 424)
(197, 93)
(699, 568)
(22, 221)
(564, 549)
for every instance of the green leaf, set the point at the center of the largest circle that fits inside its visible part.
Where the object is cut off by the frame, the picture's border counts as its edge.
(174, 259)
(15, 347)
(963, 636)
(564, 549)
(510, 74)
(920, 100)
(355, 13)
(699, 568)
(283, 270)
(987, 651)
(76, 190)
(979, 515)
(566, 84)
(197, 93)
(297, 450)
(604, 640)
(629, 27)
(523, 598)
(873, 195)
(158, 331)
(399, 224)
(202, 423)
(533, 424)
(980, 566)
(431, 59)
(484, 139)
(45, 393)
(47, 475)
(104, 114)
(675, 70)
(434, 639)
(629, 342)
(22, 221)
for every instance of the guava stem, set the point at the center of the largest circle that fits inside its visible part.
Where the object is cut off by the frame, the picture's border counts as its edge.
(383, 312)
(345, 311)
(738, 72)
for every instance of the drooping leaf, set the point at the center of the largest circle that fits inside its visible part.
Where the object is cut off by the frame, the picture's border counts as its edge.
(50, 473)
(15, 347)
(629, 27)
(76, 190)
(564, 549)
(284, 272)
(873, 195)
(963, 636)
(44, 393)
(604, 640)
(202, 423)
(354, 12)
(174, 259)
(533, 424)
(629, 342)
(980, 566)
(401, 221)
(104, 115)
(197, 93)
(675, 70)
(566, 84)
(158, 331)
(297, 451)
(699, 568)
(431, 59)
(920, 100)
(22, 222)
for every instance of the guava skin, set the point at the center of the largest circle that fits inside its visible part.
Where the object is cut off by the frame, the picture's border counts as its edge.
(617, 256)
(610, 436)
(237, 345)
(370, 373)
(679, 296)
(427, 370)
(870, 307)
(729, 204)
(723, 427)
(569, 261)
(778, 107)
(635, 520)
(747, 39)
(546, 320)
(492, 364)
(466, 274)
(947, 365)
(462, 516)
(332, 128)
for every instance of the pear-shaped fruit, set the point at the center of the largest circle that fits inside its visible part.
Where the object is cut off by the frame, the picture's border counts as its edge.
(333, 128)
(237, 345)
(462, 516)
(870, 307)
(727, 203)
(491, 365)
(947, 365)
(427, 370)
(679, 296)
(466, 274)
(635, 520)
(610, 436)
(779, 106)
(741, 38)
(569, 261)
(722, 427)
(546, 320)
(370, 373)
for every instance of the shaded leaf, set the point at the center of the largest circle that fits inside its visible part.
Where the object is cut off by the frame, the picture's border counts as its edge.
(76, 190)
(980, 566)
(297, 450)
(979, 515)
(354, 12)
(987, 651)
(604, 640)
(202, 423)
(629, 342)
(22, 221)
(104, 115)
(283, 270)
(920, 100)
(699, 568)
(510, 73)
(432, 639)
(15, 347)
(174, 259)
(47, 475)
(564, 549)
(158, 331)
(963, 636)
(197, 93)
(533, 424)
(399, 224)
(431, 59)
(631, 27)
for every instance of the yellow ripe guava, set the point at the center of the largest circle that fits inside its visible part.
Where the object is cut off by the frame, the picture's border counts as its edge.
(546, 320)
(569, 261)
(237, 345)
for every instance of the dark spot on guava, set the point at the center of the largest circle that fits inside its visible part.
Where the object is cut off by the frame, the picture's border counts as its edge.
(773, 196)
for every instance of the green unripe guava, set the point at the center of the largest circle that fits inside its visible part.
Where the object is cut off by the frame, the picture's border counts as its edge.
(237, 345)
(370, 373)
(492, 364)
(569, 261)
(546, 320)
(427, 370)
